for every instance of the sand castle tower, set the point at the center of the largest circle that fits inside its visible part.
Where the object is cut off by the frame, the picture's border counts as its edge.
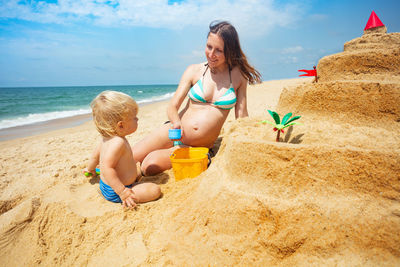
(355, 107)
(361, 81)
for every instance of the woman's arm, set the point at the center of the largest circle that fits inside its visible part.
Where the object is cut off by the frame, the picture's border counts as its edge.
(241, 100)
(180, 94)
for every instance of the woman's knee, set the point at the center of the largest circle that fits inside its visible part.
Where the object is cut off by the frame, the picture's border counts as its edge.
(154, 163)
(139, 152)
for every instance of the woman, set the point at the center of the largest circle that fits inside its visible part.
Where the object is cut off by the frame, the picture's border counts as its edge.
(214, 88)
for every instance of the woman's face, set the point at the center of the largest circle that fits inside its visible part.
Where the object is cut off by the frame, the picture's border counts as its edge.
(215, 51)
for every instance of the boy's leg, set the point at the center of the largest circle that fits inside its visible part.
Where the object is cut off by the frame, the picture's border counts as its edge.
(146, 192)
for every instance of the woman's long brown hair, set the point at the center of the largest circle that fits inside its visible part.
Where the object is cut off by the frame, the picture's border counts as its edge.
(233, 53)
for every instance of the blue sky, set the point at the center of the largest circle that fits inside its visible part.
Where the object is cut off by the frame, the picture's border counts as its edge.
(125, 42)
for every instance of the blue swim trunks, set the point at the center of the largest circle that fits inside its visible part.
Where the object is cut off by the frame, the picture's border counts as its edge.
(109, 193)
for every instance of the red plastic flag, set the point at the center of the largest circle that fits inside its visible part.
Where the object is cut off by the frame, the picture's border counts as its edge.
(373, 21)
(309, 72)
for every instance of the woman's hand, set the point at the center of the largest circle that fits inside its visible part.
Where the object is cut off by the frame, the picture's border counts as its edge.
(177, 125)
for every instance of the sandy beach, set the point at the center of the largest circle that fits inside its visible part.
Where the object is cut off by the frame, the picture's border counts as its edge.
(327, 194)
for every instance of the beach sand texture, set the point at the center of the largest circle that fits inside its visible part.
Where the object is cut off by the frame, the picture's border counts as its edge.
(327, 194)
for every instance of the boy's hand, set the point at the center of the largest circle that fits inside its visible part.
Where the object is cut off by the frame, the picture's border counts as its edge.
(88, 172)
(128, 198)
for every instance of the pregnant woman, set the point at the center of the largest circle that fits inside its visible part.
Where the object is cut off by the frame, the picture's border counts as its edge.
(214, 88)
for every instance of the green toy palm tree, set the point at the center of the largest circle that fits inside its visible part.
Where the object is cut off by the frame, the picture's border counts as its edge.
(280, 125)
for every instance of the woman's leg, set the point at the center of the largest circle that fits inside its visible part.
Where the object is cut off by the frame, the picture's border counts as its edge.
(157, 161)
(158, 139)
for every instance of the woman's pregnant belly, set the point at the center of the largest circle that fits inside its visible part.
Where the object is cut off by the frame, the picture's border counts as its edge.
(202, 124)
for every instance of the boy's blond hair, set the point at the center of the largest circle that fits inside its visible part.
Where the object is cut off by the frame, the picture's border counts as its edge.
(110, 107)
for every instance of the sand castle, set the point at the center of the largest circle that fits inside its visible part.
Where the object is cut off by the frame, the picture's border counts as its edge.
(328, 194)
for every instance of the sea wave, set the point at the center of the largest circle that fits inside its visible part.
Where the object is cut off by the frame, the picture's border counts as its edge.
(41, 117)
(155, 98)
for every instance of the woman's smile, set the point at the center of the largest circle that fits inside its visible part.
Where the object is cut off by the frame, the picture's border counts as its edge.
(215, 50)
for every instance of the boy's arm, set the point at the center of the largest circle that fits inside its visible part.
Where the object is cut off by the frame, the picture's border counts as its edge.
(109, 162)
(94, 160)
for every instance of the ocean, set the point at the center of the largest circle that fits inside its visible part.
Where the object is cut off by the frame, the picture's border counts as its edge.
(21, 106)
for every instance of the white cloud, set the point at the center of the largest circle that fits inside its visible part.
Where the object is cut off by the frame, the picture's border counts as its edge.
(194, 56)
(292, 50)
(291, 60)
(251, 17)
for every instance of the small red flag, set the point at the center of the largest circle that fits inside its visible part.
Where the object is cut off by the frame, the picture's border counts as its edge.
(373, 21)
(309, 73)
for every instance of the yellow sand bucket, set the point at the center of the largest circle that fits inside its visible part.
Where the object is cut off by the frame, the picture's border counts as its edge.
(189, 162)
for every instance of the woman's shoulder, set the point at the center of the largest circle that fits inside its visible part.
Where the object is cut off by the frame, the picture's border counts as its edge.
(194, 71)
(237, 76)
(195, 68)
(235, 71)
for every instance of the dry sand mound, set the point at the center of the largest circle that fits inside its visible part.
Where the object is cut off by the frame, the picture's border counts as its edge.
(351, 129)
(328, 194)
(374, 57)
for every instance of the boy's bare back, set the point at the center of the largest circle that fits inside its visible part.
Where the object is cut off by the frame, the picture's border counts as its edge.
(116, 152)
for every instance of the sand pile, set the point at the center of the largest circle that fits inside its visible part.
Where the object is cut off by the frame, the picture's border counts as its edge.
(328, 194)
(362, 81)
(374, 57)
(349, 146)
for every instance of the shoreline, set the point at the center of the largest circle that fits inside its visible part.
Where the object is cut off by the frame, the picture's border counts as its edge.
(37, 128)
(42, 127)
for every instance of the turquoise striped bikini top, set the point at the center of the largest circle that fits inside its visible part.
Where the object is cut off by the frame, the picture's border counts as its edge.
(226, 101)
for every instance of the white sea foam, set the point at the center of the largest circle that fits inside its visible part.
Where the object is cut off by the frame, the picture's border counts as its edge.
(41, 117)
(156, 98)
